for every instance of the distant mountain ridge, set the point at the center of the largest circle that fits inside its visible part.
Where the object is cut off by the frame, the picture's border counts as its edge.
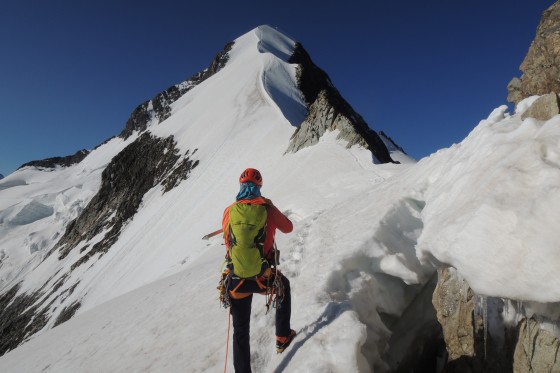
(58, 161)
(327, 110)
(158, 109)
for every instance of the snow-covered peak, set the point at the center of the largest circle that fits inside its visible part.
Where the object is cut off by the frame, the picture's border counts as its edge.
(266, 39)
(273, 41)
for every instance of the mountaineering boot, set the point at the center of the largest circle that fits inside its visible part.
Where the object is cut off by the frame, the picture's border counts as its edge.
(283, 342)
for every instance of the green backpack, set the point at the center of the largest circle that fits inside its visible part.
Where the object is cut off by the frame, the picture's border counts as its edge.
(247, 235)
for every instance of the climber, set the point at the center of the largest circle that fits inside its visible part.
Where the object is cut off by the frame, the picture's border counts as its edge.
(249, 227)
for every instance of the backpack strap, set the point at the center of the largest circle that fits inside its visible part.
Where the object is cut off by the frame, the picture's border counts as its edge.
(248, 262)
(225, 221)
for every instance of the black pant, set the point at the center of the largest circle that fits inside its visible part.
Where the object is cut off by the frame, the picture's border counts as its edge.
(241, 314)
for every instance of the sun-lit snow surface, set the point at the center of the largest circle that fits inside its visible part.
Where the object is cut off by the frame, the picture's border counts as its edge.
(492, 208)
(35, 206)
(486, 206)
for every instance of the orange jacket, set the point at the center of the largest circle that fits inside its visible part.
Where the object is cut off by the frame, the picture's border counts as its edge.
(275, 220)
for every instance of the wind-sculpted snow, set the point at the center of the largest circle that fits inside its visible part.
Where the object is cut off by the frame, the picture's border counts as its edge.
(12, 183)
(277, 43)
(496, 223)
(32, 212)
(277, 81)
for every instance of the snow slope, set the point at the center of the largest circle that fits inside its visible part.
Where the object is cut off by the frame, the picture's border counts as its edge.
(367, 237)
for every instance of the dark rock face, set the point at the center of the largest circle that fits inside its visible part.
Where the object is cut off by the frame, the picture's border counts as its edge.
(329, 111)
(59, 161)
(67, 313)
(158, 109)
(541, 66)
(19, 318)
(142, 165)
(22, 315)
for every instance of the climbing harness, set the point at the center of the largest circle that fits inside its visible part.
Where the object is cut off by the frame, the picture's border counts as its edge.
(274, 295)
(270, 283)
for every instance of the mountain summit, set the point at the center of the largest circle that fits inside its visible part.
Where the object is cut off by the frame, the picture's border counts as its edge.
(288, 77)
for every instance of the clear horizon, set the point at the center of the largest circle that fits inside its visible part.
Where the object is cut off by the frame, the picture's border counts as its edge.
(424, 73)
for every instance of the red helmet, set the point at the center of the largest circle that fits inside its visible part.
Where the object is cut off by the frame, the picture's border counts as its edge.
(252, 175)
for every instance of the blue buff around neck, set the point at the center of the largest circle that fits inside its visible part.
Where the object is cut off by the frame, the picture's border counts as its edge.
(248, 190)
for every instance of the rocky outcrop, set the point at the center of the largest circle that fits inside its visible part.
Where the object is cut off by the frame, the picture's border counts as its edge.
(544, 108)
(478, 337)
(328, 111)
(472, 344)
(537, 350)
(24, 314)
(67, 313)
(455, 312)
(142, 165)
(541, 66)
(158, 109)
(58, 161)
(19, 318)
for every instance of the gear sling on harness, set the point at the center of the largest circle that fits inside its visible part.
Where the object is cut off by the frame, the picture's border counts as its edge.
(274, 292)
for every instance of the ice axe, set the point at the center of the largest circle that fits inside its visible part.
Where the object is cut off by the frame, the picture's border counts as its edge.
(215, 233)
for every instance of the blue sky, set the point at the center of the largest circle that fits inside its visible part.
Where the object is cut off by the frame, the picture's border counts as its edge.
(425, 72)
